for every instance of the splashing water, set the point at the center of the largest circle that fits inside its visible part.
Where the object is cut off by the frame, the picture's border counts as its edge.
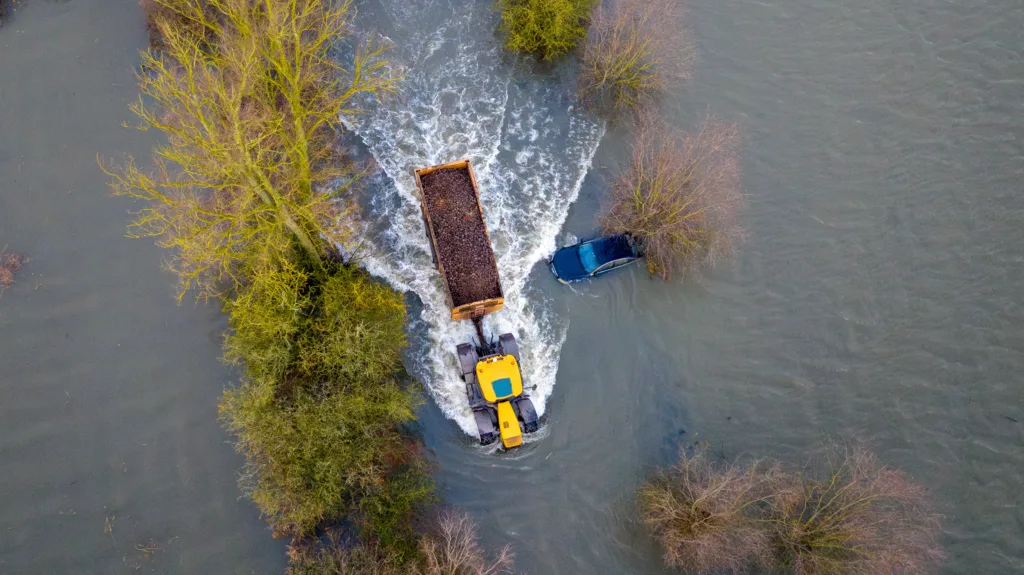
(530, 150)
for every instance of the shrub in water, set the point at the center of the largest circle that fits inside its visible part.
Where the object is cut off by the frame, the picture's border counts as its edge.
(700, 513)
(316, 445)
(847, 516)
(313, 457)
(851, 515)
(635, 50)
(332, 554)
(546, 28)
(266, 318)
(358, 333)
(680, 196)
(10, 264)
(452, 547)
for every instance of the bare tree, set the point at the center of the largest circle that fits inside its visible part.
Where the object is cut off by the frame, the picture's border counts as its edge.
(453, 548)
(635, 50)
(680, 196)
(199, 19)
(700, 513)
(845, 515)
(851, 515)
(331, 554)
(251, 107)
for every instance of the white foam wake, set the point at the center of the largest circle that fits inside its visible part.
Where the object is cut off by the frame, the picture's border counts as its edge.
(530, 151)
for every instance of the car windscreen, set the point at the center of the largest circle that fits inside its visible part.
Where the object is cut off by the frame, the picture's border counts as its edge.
(588, 258)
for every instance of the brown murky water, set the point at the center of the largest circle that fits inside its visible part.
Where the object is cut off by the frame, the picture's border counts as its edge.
(111, 455)
(878, 297)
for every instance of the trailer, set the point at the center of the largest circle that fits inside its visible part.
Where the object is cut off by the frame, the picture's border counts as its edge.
(461, 244)
(461, 247)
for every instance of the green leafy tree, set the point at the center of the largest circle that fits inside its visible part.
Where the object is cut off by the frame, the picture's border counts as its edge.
(545, 28)
(250, 103)
(314, 456)
(320, 411)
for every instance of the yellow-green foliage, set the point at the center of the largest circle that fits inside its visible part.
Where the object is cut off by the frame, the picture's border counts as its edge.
(250, 108)
(358, 334)
(313, 457)
(250, 192)
(318, 415)
(546, 28)
(265, 318)
(339, 327)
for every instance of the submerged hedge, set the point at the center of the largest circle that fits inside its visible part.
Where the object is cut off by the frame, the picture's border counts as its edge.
(544, 28)
(319, 414)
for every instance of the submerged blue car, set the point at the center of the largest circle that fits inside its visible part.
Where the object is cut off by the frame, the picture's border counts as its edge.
(590, 259)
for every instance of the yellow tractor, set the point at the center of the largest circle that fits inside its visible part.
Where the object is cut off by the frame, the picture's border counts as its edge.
(461, 247)
(494, 385)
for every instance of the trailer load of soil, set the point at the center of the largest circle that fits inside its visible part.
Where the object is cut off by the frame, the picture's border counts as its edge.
(462, 245)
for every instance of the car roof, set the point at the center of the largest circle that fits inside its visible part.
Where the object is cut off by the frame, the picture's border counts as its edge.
(611, 248)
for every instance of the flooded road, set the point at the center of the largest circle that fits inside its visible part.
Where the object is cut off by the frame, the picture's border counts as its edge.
(878, 296)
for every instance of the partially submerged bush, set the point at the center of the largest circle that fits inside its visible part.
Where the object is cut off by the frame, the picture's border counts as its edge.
(680, 196)
(545, 28)
(312, 458)
(333, 555)
(340, 328)
(10, 264)
(358, 334)
(452, 547)
(852, 515)
(389, 512)
(266, 317)
(319, 443)
(700, 513)
(849, 516)
(635, 50)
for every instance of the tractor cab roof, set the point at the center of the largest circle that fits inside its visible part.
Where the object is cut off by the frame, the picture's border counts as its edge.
(499, 377)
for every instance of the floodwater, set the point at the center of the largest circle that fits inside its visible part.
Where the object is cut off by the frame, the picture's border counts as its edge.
(111, 456)
(878, 296)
